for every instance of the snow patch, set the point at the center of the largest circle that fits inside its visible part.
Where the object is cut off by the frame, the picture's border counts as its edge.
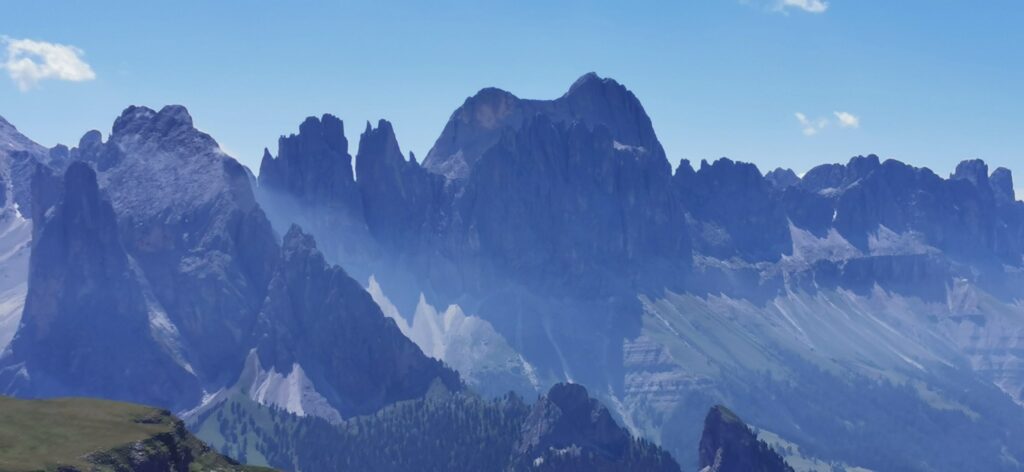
(625, 147)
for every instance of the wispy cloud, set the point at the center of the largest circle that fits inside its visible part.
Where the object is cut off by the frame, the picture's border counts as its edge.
(810, 127)
(810, 6)
(28, 62)
(847, 120)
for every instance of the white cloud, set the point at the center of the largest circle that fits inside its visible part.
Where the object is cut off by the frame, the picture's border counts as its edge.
(810, 127)
(810, 6)
(847, 120)
(28, 62)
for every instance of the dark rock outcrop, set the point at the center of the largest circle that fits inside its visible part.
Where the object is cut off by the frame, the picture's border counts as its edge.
(728, 445)
(568, 431)
(311, 183)
(401, 200)
(318, 317)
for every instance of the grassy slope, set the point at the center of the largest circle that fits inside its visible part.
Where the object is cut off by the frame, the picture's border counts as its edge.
(45, 434)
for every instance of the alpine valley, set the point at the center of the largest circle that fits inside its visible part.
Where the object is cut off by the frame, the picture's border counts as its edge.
(542, 292)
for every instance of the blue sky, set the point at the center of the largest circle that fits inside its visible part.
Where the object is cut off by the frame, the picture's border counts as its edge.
(930, 82)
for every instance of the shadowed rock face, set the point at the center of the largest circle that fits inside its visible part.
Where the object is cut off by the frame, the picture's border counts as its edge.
(563, 200)
(317, 317)
(1002, 186)
(734, 198)
(88, 327)
(728, 445)
(402, 202)
(311, 183)
(314, 165)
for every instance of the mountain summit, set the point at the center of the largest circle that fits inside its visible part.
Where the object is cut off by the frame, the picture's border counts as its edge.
(492, 113)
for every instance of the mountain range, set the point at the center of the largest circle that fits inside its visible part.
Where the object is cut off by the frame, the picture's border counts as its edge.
(862, 315)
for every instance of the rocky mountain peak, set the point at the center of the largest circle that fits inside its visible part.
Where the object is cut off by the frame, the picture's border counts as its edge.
(839, 176)
(379, 143)
(80, 181)
(861, 166)
(489, 108)
(314, 166)
(589, 80)
(1002, 185)
(593, 87)
(484, 119)
(567, 416)
(974, 171)
(328, 130)
(603, 101)
(733, 171)
(728, 445)
(141, 120)
(684, 170)
(568, 431)
(733, 196)
(90, 141)
(782, 178)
